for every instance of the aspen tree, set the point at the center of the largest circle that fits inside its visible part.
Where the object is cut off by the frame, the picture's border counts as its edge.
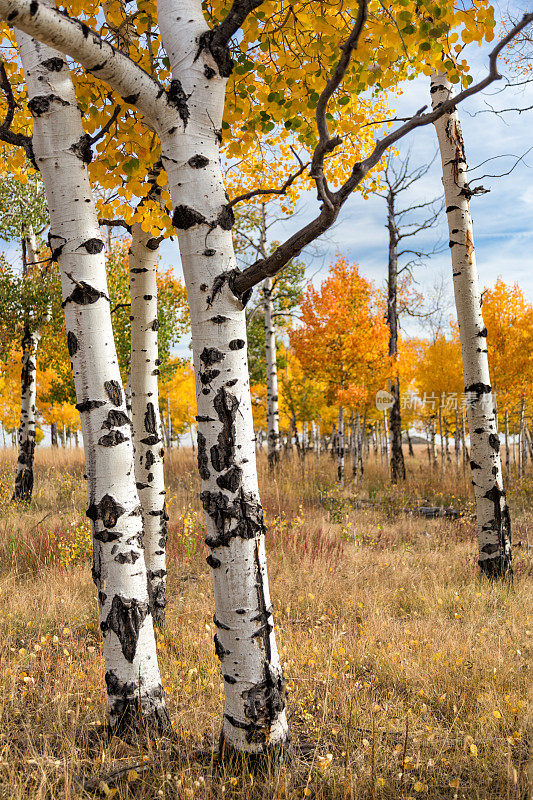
(28, 380)
(60, 148)
(188, 119)
(146, 419)
(493, 518)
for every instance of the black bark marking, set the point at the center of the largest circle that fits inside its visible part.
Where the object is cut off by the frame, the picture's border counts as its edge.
(222, 454)
(237, 344)
(149, 419)
(474, 465)
(147, 297)
(211, 355)
(84, 295)
(93, 246)
(41, 104)
(185, 217)
(220, 53)
(54, 64)
(107, 536)
(219, 650)
(155, 325)
(232, 382)
(203, 459)
(219, 319)
(112, 439)
(209, 251)
(125, 620)
(499, 563)
(213, 562)
(149, 460)
(116, 419)
(108, 510)
(226, 218)
(494, 442)
(127, 558)
(198, 162)
(56, 249)
(209, 375)
(150, 440)
(138, 270)
(72, 343)
(152, 244)
(209, 72)
(82, 149)
(482, 333)
(241, 518)
(88, 405)
(177, 98)
(478, 389)
(230, 480)
(131, 99)
(114, 391)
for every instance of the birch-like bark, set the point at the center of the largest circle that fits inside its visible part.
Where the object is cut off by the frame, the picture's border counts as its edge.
(254, 704)
(28, 390)
(271, 376)
(147, 435)
(397, 463)
(494, 522)
(506, 429)
(188, 120)
(61, 152)
(340, 447)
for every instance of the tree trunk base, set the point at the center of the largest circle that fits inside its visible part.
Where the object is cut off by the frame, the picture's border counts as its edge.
(271, 755)
(128, 723)
(499, 568)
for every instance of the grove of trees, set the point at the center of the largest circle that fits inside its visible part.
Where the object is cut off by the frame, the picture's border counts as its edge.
(140, 118)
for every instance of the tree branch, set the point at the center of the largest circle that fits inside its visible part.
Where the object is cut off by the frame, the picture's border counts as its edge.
(101, 133)
(326, 144)
(270, 266)
(115, 223)
(282, 190)
(6, 134)
(74, 38)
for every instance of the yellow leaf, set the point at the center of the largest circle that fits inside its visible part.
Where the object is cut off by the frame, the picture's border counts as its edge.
(132, 775)
(420, 787)
(496, 714)
(473, 749)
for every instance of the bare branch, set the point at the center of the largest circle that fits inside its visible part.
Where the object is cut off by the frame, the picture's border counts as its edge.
(107, 126)
(331, 205)
(6, 134)
(262, 192)
(115, 223)
(326, 144)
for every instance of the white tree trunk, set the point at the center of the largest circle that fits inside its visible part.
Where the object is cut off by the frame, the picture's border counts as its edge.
(340, 447)
(494, 524)
(188, 119)
(28, 384)
(254, 706)
(61, 148)
(147, 435)
(271, 376)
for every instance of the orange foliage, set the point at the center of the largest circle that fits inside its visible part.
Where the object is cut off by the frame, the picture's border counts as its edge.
(342, 340)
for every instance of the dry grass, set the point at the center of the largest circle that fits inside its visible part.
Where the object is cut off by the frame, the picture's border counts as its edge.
(407, 677)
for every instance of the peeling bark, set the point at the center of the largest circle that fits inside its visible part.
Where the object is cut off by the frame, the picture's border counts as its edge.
(493, 518)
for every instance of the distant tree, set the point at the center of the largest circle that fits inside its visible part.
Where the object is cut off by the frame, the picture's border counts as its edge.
(342, 339)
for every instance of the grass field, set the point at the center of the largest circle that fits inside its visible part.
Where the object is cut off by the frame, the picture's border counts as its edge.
(407, 676)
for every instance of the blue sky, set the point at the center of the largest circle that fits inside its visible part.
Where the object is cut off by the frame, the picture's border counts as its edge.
(502, 218)
(503, 228)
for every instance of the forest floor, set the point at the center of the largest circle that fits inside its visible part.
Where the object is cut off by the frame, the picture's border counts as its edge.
(407, 675)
